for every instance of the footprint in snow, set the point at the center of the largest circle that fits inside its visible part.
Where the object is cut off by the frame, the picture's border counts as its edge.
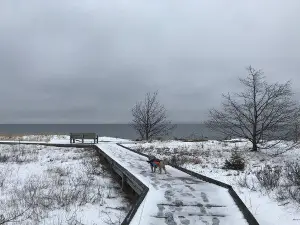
(204, 197)
(215, 221)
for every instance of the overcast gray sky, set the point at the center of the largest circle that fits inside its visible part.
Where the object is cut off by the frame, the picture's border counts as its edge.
(74, 61)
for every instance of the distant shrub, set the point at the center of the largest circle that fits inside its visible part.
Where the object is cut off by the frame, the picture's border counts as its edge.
(224, 144)
(3, 158)
(294, 193)
(293, 173)
(236, 162)
(269, 177)
(282, 194)
(178, 160)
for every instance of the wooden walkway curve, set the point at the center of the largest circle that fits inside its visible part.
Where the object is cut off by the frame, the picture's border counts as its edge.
(176, 197)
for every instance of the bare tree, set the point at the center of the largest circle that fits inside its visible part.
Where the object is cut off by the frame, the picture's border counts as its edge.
(295, 127)
(150, 118)
(261, 112)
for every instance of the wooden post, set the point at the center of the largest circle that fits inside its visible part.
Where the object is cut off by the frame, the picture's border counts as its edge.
(123, 182)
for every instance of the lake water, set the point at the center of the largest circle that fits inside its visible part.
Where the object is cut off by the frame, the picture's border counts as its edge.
(111, 130)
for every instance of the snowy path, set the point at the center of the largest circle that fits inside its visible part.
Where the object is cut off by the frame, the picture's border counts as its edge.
(176, 197)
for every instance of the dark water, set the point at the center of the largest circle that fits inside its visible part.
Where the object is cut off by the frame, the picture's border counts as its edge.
(111, 130)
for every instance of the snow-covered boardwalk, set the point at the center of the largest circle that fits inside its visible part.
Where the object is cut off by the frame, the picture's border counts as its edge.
(176, 197)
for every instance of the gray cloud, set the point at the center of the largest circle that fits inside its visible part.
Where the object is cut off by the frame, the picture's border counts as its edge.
(87, 61)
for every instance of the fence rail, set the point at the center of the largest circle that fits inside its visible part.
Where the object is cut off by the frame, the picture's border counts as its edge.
(143, 189)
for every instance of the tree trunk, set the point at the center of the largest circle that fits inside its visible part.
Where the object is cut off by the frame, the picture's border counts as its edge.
(254, 145)
(297, 133)
(147, 136)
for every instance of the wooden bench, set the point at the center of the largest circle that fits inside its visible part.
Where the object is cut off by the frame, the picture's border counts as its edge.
(82, 136)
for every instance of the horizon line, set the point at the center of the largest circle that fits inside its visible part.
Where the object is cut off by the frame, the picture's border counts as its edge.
(119, 123)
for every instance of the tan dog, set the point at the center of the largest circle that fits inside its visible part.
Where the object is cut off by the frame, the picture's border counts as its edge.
(161, 165)
(154, 163)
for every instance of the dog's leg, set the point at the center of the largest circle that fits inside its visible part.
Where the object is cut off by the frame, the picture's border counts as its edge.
(165, 169)
(161, 166)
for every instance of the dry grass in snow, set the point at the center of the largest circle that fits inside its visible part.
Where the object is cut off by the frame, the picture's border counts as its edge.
(57, 186)
(41, 137)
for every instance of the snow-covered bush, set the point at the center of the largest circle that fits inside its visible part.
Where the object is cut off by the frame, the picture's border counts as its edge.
(178, 160)
(281, 194)
(268, 177)
(246, 181)
(293, 173)
(236, 162)
(3, 158)
(294, 193)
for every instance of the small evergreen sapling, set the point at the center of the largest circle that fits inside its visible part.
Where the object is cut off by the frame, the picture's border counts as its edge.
(236, 162)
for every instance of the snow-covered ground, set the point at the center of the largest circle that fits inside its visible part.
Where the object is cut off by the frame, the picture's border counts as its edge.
(57, 186)
(207, 158)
